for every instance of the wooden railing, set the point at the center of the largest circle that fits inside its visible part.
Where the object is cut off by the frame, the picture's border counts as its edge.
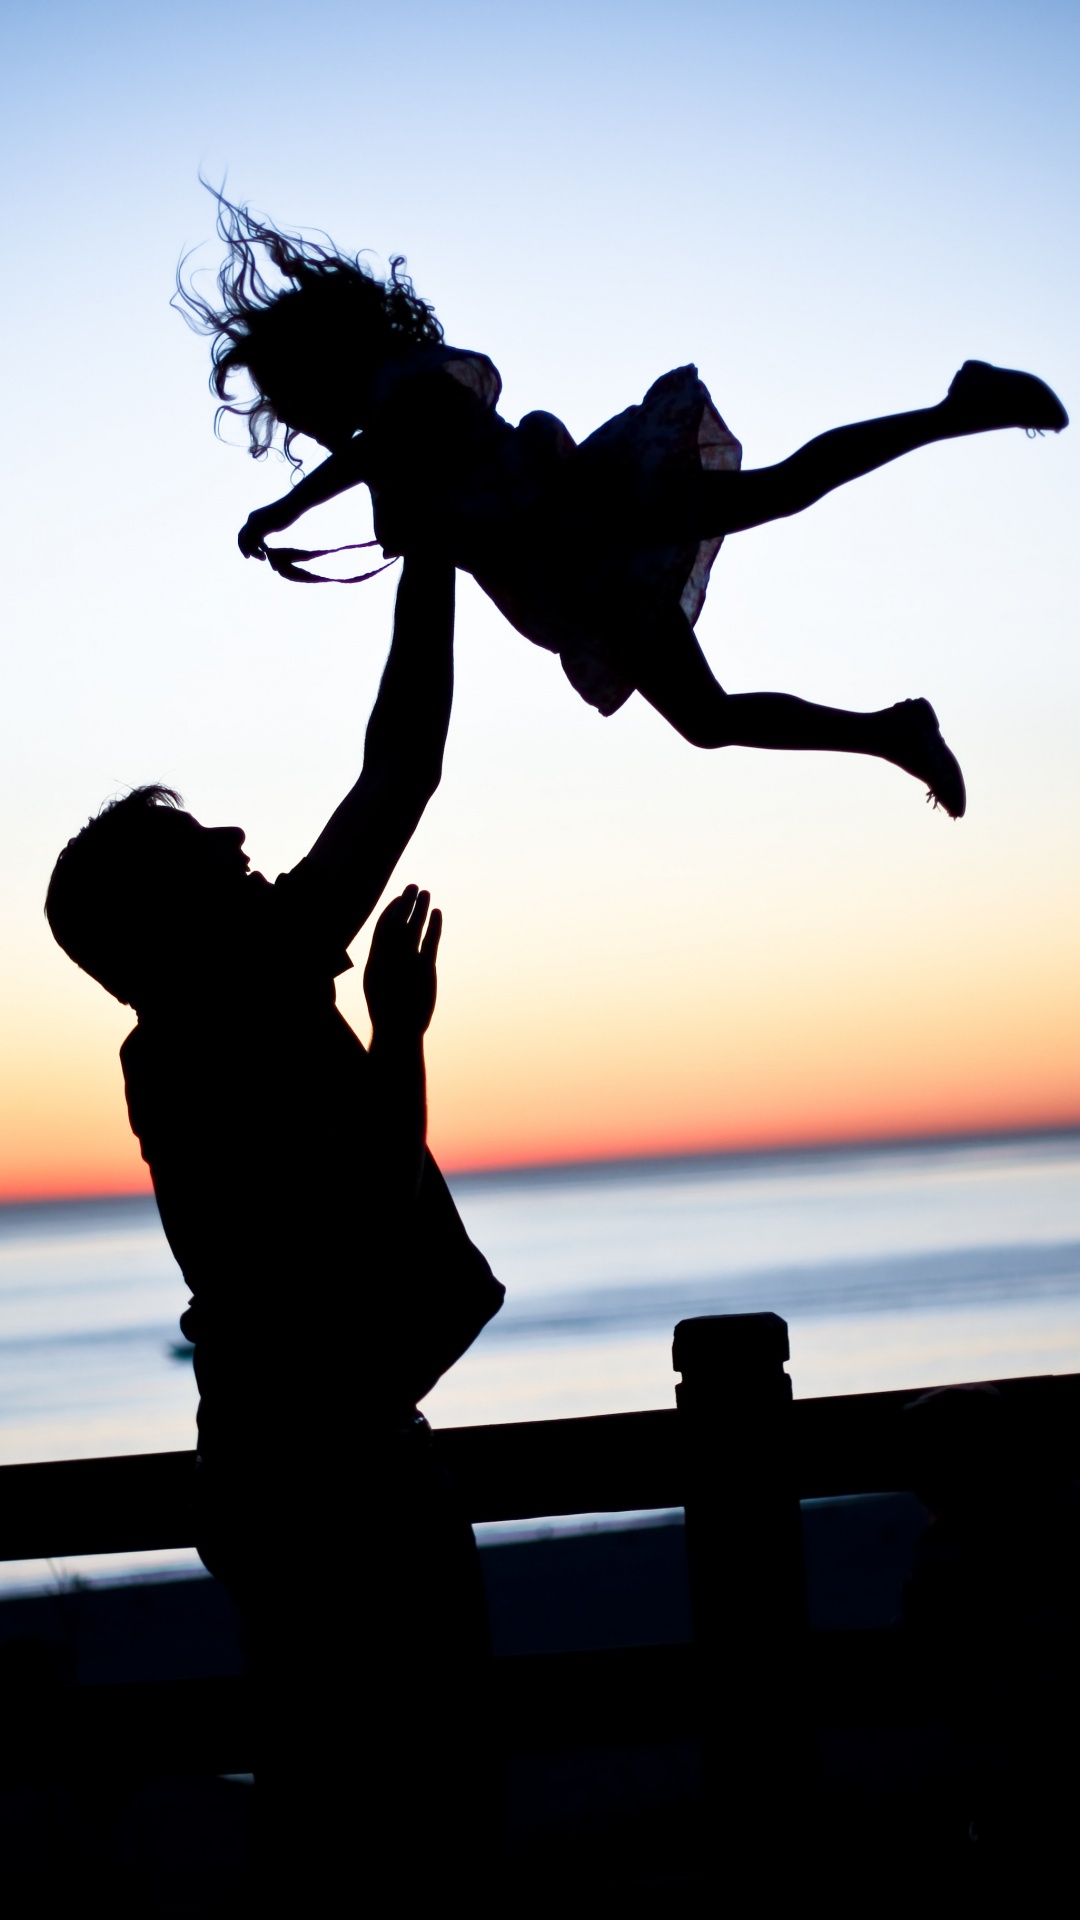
(737, 1453)
(607, 1463)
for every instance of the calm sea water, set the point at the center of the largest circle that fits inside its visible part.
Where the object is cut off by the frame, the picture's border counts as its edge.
(901, 1266)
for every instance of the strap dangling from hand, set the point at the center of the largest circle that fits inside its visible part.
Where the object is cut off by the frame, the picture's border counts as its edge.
(287, 561)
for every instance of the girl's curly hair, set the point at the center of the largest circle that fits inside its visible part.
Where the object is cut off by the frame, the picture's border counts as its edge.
(265, 331)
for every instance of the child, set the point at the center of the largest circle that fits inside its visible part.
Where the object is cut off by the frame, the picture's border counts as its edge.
(599, 552)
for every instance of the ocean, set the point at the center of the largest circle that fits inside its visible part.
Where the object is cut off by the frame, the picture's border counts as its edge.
(906, 1265)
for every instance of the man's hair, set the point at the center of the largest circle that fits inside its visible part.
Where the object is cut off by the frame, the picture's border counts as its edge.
(97, 899)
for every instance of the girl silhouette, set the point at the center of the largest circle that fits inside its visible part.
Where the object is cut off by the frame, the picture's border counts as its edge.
(599, 552)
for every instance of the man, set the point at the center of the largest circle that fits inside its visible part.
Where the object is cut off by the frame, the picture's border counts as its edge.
(332, 1281)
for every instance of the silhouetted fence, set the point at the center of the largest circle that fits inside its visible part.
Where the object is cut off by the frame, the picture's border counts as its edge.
(737, 1453)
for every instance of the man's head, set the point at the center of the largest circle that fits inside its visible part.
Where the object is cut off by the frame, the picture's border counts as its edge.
(140, 887)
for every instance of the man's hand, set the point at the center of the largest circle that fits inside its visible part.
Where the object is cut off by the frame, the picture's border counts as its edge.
(399, 979)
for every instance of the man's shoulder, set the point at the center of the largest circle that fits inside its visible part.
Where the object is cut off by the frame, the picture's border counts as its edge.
(298, 913)
(138, 1086)
(131, 1051)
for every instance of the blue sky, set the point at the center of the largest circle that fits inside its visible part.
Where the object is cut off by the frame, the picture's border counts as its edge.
(828, 207)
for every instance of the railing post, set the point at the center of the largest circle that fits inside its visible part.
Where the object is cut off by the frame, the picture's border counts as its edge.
(744, 1547)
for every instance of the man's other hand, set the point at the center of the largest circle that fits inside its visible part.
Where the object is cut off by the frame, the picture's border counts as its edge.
(399, 979)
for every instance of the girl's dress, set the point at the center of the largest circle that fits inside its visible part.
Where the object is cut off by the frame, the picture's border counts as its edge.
(571, 542)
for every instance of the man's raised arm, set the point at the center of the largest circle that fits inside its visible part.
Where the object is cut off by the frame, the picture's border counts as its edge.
(363, 841)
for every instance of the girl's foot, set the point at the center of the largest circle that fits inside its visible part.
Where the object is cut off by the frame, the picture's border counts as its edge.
(982, 397)
(919, 748)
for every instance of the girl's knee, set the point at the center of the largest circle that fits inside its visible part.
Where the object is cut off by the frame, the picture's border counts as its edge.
(671, 672)
(707, 735)
(705, 724)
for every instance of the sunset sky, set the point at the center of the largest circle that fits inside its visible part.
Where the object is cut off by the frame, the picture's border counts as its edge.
(827, 206)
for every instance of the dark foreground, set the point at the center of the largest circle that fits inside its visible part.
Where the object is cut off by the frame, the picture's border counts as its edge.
(595, 1706)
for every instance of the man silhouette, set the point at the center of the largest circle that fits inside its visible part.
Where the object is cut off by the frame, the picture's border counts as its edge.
(332, 1280)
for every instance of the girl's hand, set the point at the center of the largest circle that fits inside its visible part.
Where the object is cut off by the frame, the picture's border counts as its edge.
(252, 534)
(399, 979)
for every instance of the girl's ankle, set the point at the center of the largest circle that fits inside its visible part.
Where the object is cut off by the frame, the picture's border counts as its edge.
(946, 420)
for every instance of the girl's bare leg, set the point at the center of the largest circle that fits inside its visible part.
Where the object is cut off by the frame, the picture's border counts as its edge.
(980, 400)
(674, 676)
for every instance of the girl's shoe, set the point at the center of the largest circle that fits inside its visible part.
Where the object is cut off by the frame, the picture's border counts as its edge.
(927, 757)
(984, 397)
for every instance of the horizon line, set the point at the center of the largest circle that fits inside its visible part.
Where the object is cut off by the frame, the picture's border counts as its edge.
(560, 1164)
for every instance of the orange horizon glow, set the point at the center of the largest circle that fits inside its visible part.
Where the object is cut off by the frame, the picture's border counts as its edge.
(105, 1184)
(651, 952)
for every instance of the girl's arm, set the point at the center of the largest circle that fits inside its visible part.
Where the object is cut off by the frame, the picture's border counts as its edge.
(335, 475)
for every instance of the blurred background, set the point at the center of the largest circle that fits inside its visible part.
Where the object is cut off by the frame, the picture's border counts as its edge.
(649, 950)
(828, 208)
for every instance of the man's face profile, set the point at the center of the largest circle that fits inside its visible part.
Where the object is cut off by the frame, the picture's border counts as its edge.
(196, 862)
